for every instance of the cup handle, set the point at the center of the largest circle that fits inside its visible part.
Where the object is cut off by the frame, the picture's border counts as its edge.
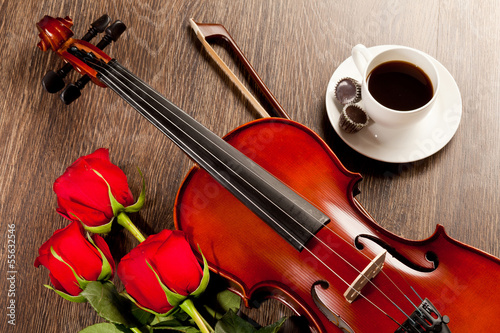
(361, 57)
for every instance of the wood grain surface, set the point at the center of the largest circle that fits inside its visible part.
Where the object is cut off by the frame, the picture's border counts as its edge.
(295, 46)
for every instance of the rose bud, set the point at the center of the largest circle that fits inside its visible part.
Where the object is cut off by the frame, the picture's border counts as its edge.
(94, 191)
(161, 272)
(74, 260)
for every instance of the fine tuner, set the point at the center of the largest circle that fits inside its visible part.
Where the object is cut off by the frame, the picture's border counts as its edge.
(53, 81)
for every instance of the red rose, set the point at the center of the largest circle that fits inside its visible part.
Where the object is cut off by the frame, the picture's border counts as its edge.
(93, 191)
(73, 260)
(162, 264)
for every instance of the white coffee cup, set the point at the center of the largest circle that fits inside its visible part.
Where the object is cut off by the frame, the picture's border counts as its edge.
(366, 61)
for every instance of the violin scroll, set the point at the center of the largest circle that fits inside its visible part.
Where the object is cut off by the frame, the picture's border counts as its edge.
(56, 34)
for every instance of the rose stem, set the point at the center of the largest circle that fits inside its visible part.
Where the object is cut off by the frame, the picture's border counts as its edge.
(190, 309)
(125, 222)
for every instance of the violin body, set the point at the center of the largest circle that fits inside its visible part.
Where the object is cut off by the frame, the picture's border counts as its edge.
(459, 280)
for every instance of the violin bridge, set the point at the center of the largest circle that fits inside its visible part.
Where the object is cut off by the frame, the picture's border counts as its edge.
(370, 271)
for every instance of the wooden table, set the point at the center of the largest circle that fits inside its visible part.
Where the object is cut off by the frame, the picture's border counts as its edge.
(295, 46)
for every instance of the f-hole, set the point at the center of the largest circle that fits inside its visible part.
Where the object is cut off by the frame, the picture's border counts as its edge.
(429, 256)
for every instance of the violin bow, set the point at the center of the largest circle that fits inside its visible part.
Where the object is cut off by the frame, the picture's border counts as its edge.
(209, 31)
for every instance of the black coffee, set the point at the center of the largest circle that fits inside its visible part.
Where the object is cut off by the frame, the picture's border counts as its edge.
(400, 85)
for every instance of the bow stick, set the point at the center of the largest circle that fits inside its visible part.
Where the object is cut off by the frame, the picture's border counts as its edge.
(205, 31)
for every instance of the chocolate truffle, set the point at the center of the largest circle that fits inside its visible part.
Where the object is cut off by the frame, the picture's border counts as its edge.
(353, 118)
(348, 91)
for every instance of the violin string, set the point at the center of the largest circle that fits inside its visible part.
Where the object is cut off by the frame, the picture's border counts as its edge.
(382, 271)
(414, 291)
(336, 274)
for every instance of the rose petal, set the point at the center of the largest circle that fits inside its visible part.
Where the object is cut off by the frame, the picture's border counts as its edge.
(76, 212)
(103, 246)
(81, 191)
(80, 184)
(101, 153)
(77, 251)
(176, 264)
(62, 277)
(171, 257)
(142, 284)
(116, 179)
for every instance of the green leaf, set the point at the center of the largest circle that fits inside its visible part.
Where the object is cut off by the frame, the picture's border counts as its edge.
(104, 328)
(174, 325)
(109, 304)
(75, 299)
(178, 321)
(217, 299)
(182, 316)
(102, 229)
(142, 316)
(228, 300)
(184, 329)
(220, 303)
(159, 319)
(140, 201)
(205, 279)
(274, 328)
(232, 323)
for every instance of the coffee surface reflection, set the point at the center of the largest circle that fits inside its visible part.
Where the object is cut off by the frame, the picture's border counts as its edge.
(400, 86)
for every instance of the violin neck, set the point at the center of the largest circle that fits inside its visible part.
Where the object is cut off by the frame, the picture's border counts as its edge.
(265, 195)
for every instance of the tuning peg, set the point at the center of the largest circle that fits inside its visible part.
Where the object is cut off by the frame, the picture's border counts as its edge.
(54, 81)
(73, 91)
(70, 94)
(96, 27)
(112, 33)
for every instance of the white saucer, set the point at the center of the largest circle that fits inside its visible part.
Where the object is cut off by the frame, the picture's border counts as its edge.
(400, 145)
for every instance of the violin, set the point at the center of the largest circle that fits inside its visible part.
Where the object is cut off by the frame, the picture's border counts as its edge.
(273, 209)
